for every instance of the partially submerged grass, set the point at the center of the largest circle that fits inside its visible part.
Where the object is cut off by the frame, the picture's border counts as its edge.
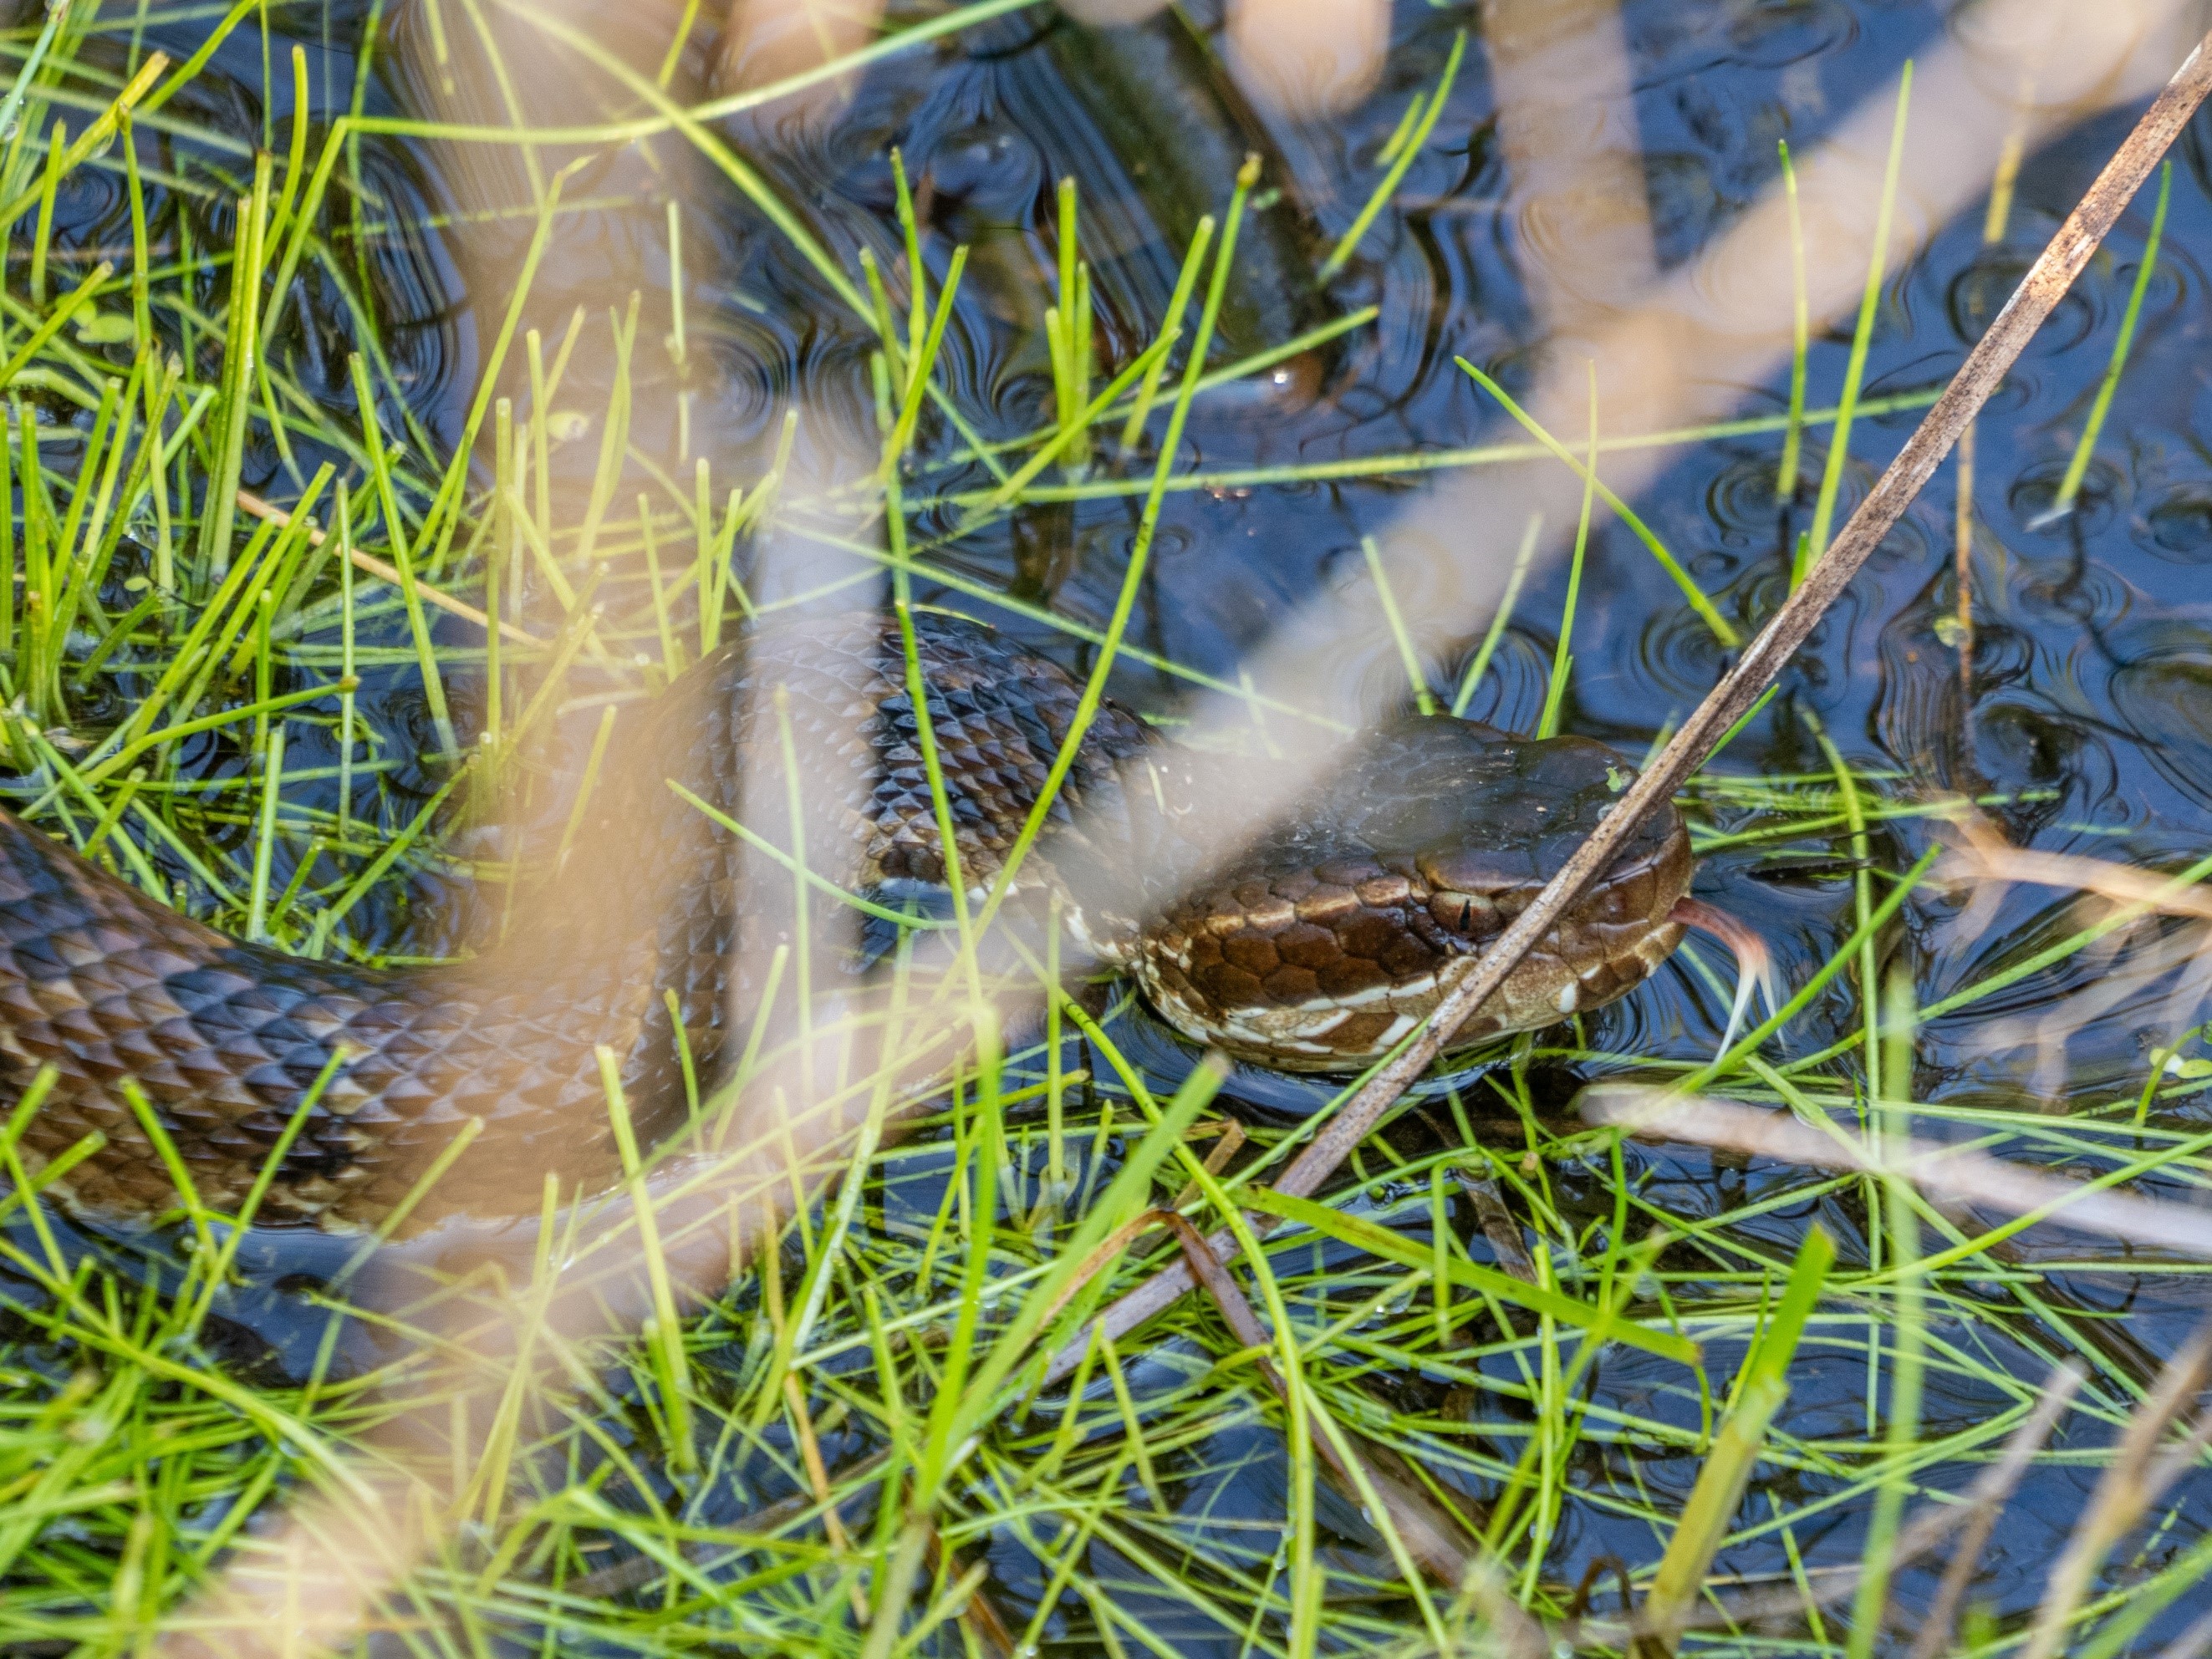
(1517, 1379)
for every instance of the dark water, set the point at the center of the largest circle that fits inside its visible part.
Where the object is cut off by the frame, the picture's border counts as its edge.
(2088, 718)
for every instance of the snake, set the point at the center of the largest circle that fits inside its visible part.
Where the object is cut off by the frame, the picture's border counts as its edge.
(143, 1052)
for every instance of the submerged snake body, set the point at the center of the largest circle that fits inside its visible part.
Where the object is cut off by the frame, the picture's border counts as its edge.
(1314, 950)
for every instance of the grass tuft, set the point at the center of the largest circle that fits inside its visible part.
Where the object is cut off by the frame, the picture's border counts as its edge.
(276, 656)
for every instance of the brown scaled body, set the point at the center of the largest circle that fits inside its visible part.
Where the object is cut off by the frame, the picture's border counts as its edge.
(1310, 950)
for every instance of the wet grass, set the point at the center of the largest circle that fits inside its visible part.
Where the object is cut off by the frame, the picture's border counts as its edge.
(1514, 1381)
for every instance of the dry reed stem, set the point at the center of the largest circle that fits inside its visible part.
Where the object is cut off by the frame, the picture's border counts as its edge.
(249, 503)
(1564, 87)
(1500, 1226)
(1945, 1171)
(1307, 59)
(2131, 1483)
(1977, 1512)
(1983, 858)
(1986, 1499)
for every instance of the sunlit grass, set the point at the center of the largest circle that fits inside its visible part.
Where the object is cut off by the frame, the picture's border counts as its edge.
(1536, 1328)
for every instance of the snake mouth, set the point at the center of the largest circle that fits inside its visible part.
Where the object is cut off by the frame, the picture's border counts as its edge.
(1342, 929)
(1580, 970)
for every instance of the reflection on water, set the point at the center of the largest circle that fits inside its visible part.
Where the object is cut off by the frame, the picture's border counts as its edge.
(2084, 717)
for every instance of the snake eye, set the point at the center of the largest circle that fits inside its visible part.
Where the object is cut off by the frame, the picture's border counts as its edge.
(1468, 914)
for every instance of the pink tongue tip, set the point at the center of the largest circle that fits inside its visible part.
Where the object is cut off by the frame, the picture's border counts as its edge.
(1754, 964)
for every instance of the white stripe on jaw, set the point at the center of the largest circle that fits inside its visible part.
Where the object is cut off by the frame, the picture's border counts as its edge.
(1524, 1003)
(1424, 987)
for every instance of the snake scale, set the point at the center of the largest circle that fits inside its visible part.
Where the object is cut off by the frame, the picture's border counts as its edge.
(1315, 947)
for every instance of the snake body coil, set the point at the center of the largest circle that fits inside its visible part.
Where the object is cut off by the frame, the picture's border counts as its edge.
(1314, 949)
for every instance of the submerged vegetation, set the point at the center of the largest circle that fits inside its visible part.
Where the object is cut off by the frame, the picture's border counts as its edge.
(284, 642)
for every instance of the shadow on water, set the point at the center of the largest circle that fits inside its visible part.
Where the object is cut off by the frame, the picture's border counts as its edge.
(2086, 724)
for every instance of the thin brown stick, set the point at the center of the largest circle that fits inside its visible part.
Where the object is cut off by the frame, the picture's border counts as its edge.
(1934, 1523)
(1433, 1540)
(1985, 1503)
(633, 1572)
(817, 1480)
(2039, 291)
(249, 503)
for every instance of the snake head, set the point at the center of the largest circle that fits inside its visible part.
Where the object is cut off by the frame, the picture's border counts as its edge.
(1337, 930)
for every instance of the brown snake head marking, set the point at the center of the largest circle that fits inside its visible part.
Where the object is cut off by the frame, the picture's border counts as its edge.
(1335, 933)
(1314, 950)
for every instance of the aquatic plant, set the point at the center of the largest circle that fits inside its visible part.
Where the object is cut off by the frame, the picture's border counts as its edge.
(1741, 1399)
